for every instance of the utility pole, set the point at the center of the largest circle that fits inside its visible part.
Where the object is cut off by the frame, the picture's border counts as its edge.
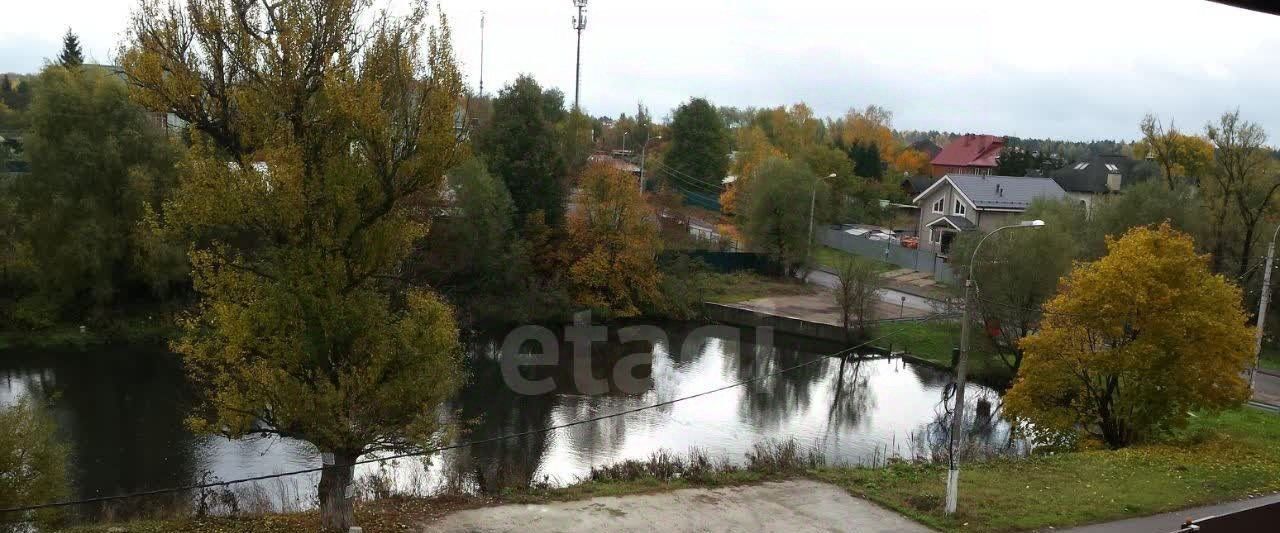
(579, 23)
(1262, 309)
(482, 53)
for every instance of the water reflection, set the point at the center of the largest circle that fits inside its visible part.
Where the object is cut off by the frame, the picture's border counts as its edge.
(122, 413)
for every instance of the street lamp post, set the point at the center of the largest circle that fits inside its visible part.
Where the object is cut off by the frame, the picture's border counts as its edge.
(957, 414)
(813, 200)
(644, 147)
(1262, 307)
(624, 140)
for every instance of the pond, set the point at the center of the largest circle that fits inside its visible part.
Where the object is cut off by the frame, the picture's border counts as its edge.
(122, 411)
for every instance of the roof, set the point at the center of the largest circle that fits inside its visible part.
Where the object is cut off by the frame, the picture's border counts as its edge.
(957, 222)
(970, 150)
(998, 192)
(1091, 176)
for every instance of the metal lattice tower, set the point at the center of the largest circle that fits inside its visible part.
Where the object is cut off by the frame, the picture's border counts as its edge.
(579, 24)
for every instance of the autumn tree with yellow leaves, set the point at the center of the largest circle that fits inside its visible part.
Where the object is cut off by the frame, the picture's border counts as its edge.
(1133, 342)
(314, 123)
(614, 241)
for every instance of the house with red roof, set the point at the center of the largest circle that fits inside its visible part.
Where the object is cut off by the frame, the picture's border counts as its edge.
(968, 154)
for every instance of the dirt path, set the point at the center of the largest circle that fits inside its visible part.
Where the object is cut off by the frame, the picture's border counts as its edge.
(790, 506)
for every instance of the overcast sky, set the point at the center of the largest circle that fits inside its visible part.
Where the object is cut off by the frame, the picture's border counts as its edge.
(1070, 70)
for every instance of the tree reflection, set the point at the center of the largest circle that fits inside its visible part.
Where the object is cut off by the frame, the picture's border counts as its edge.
(851, 397)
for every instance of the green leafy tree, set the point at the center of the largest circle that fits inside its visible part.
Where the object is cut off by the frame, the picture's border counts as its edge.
(774, 211)
(866, 160)
(71, 56)
(472, 253)
(1244, 179)
(296, 199)
(699, 142)
(33, 464)
(1018, 271)
(521, 146)
(1133, 343)
(1144, 204)
(97, 166)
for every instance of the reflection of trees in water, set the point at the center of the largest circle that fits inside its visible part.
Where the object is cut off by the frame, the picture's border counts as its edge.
(985, 431)
(122, 414)
(850, 397)
(489, 408)
(771, 400)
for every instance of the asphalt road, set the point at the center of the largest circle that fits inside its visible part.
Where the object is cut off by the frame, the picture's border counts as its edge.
(1166, 522)
(1266, 389)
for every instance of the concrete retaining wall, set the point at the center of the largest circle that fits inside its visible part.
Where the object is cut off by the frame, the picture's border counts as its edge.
(730, 314)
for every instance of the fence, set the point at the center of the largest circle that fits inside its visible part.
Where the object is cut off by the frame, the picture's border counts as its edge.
(890, 252)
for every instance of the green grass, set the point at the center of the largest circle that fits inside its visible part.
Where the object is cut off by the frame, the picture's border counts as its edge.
(742, 286)
(1270, 358)
(933, 341)
(832, 258)
(1224, 457)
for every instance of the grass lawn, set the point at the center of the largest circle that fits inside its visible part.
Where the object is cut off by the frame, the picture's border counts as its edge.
(832, 258)
(742, 286)
(1270, 358)
(933, 342)
(1217, 458)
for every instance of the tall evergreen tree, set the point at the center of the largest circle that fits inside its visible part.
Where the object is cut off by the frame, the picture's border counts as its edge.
(71, 55)
(521, 146)
(699, 142)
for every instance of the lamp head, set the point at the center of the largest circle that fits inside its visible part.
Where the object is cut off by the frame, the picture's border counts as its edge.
(1037, 223)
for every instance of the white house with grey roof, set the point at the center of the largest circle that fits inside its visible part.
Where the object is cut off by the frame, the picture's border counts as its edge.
(965, 202)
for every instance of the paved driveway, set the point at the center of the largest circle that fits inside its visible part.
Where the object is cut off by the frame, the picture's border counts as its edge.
(791, 506)
(1266, 388)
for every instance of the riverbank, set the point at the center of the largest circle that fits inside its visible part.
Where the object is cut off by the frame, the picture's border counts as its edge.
(1229, 456)
(932, 343)
(153, 328)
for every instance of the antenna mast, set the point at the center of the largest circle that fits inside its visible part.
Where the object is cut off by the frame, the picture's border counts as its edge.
(579, 23)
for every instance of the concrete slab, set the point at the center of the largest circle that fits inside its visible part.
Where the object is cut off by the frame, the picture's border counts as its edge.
(821, 307)
(923, 282)
(790, 506)
(914, 276)
(896, 273)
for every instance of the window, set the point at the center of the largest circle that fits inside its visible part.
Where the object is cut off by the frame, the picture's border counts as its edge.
(937, 206)
(958, 209)
(1113, 168)
(1081, 166)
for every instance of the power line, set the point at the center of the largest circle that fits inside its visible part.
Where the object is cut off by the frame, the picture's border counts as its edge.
(199, 486)
(670, 173)
(695, 187)
(700, 180)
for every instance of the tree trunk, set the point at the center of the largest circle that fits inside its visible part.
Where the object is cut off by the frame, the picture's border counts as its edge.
(336, 513)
